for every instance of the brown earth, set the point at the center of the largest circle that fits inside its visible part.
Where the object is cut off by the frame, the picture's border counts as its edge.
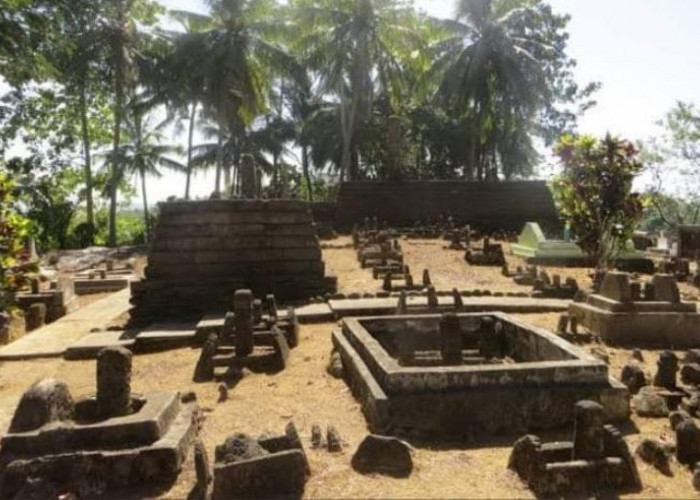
(305, 394)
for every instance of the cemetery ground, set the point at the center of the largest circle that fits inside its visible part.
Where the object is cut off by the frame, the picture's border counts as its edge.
(305, 394)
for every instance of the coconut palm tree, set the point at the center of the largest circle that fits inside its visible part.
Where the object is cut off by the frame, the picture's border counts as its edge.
(238, 57)
(356, 46)
(495, 66)
(145, 154)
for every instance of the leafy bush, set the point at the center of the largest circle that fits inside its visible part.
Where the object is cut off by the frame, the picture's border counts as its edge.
(594, 193)
(14, 260)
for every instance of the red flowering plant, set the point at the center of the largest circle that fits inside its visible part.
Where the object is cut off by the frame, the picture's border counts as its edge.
(15, 264)
(594, 193)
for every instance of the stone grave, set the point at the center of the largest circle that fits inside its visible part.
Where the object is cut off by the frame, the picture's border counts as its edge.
(469, 375)
(491, 254)
(553, 288)
(624, 313)
(535, 248)
(596, 461)
(116, 439)
(202, 250)
(59, 299)
(247, 341)
(267, 467)
(689, 242)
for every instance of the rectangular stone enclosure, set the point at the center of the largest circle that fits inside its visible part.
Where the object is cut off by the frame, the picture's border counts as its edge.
(506, 377)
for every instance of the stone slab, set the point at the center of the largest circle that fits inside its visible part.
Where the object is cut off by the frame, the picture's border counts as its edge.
(313, 313)
(166, 336)
(383, 306)
(52, 340)
(97, 285)
(90, 345)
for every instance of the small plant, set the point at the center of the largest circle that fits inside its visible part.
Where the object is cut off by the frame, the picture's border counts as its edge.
(594, 194)
(14, 259)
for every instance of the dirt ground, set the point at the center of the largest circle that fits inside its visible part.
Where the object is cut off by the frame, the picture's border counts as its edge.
(305, 394)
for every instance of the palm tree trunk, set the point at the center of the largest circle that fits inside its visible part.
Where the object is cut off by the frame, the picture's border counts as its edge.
(88, 159)
(146, 217)
(118, 105)
(193, 114)
(219, 160)
(307, 174)
(275, 177)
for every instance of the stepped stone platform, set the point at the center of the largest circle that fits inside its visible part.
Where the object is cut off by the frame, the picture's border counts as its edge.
(204, 250)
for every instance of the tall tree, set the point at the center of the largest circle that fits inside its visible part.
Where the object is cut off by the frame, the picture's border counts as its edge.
(503, 64)
(354, 46)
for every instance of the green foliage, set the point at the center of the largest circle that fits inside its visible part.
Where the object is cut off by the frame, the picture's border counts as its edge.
(673, 160)
(594, 193)
(14, 230)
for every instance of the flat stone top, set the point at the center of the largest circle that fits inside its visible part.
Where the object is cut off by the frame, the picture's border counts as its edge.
(349, 307)
(640, 307)
(167, 331)
(233, 206)
(53, 339)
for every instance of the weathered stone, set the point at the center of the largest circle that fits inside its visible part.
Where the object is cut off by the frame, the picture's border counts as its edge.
(687, 442)
(333, 441)
(666, 288)
(563, 324)
(35, 317)
(243, 321)
(204, 370)
(637, 354)
(589, 435)
(657, 454)
(386, 284)
(316, 436)
(616, 286)
(676, 417)
(238, 447)
(271, 304)
(696, 477)
(276, 475)
(402, 307)
(450, 340)
(223, 393)
(114, 382)
(201, 464)
(334, 368)
(457, 299)
(524, 457)
(45, 401)
(383, 455)
(633, 377)
(426, 278)
(649, 403)
(433, 302)
(690, 374)
(257, 311)
(667, 370)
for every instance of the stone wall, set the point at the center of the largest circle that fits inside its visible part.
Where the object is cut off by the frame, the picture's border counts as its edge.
(485, 205)
(203, 251)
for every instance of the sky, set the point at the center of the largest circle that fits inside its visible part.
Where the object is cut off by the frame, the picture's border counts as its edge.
(646, 54)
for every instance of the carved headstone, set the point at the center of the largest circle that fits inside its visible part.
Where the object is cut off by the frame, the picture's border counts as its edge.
(450, 339)
(589, 432)
(667, 370)
(35, 317)
(114, 382)
(243, 321)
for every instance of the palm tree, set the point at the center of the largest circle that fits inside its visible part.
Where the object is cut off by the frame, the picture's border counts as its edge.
(356, 46)
(181, 82)
(494, 72)
(239, 56)
(144, 154)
